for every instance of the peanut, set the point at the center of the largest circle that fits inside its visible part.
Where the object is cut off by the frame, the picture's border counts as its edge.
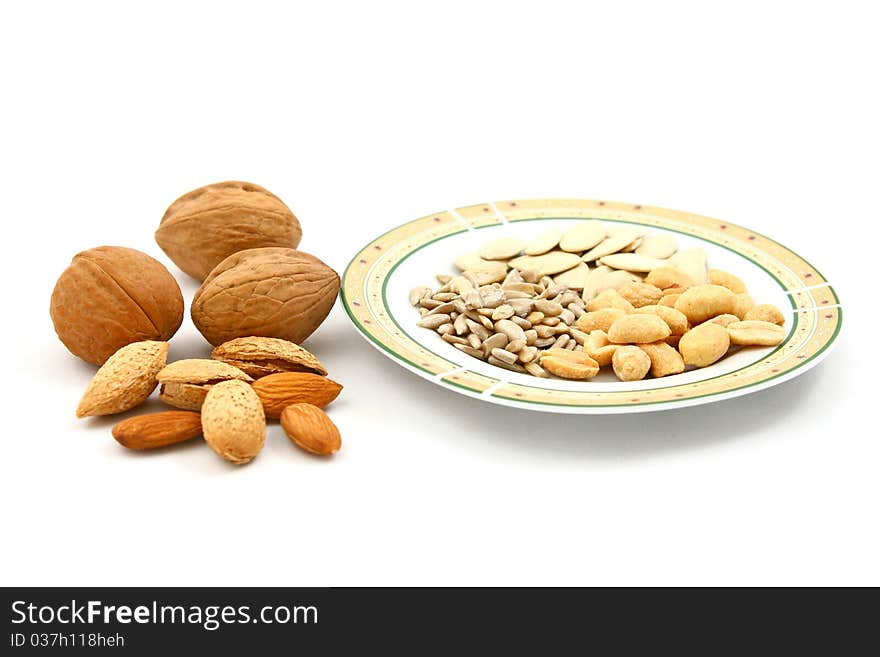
(640, 294)
(668, 277)
(630, 363)
(568, 369)
(609, 299)
(766, 312)
(599, 348)
(755, 332)
(675, 320)
(703, 302)
(704, 344)
(723, 320)
(599, 320)
(638, 328)
(728, 280)
(665, 360)
(669, 300)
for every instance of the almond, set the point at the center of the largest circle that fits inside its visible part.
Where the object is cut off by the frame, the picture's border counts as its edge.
(185, 383)
(309, 428)
(125, 380)
(258, 357)
(233, 422)
(277, 391)
(158, 429)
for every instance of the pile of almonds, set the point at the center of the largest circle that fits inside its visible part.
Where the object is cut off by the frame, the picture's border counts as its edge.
(643, 306)
(117, 307)
(226, 398)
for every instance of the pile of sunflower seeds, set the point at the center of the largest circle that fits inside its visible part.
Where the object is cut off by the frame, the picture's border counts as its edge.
(504, 323)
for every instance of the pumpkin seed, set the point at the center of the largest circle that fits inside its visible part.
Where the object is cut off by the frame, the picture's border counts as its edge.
(544, 243)
(583, 236)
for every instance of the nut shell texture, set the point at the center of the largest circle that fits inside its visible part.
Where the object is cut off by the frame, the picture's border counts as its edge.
(270, 292)
(125, 380)
(185, 383)
(111, 296)
(205, 226)
(262, 356)
(233, 422)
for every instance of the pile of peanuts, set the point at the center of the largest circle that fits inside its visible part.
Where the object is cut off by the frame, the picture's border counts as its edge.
(660, 324)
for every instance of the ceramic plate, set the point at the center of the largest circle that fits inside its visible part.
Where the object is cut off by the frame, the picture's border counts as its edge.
(376, 285)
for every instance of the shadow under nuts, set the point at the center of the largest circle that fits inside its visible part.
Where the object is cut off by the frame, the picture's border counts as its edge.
(207, 225)
(111, 296)
(271, 292)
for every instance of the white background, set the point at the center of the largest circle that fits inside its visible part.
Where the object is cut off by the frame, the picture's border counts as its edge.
(362, 116)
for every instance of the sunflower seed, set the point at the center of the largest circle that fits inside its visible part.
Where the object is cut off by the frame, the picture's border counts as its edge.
(513, 276)
(443, 308)
(515, 346)
(577, 309)
(470, 351)
(417, 294)
(477, 329)
(454, 339)
(492, 298)
(472, 299)
(434, 321)
(510, 329)
(549, 308)
(579, 336)
(503, 354)
(495, 341)
(536, 370)
(521, 307)
(504, 311)
(528, 288)
(460, 325)
(500, 363)
(528, 354)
